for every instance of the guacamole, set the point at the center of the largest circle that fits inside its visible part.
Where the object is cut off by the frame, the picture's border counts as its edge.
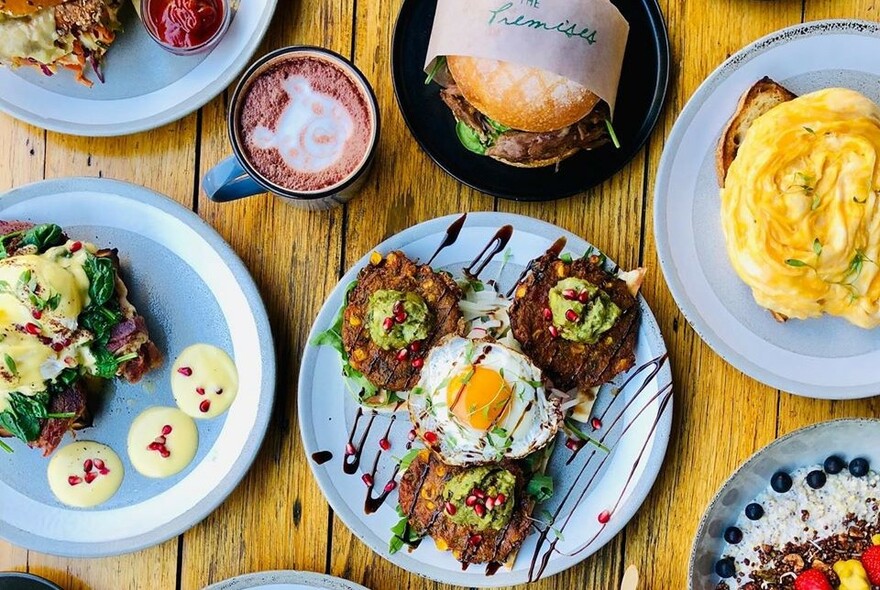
(579, 320)
(396, 320)
(495, 484)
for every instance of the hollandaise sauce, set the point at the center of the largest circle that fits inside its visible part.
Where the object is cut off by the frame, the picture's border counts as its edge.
(204, 381)
(800, 208)
(84, 474)
(162, 442)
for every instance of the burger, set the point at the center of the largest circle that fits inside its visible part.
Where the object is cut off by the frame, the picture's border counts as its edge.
(521, 115)
(52, 34)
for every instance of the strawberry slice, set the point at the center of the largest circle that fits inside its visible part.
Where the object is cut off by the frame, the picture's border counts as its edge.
(871, 563)
(812, 580)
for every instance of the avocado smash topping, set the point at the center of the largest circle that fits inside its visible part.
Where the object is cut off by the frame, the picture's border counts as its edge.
(397, 319)
(480, 498)
(581, 311)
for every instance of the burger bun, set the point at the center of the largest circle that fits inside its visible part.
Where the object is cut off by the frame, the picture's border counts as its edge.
(521, 97)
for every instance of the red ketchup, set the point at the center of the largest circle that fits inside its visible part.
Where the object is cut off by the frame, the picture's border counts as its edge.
(186, 23)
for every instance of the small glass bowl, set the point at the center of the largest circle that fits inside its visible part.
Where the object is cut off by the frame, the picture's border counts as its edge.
(207, 45)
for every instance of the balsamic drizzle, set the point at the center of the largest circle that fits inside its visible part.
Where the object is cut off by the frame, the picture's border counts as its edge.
(555, 248)
(500, 241)
(452, 233)
(322, 457)
(353, 452)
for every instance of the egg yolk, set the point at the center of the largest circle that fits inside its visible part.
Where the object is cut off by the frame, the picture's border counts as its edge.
(478, 397)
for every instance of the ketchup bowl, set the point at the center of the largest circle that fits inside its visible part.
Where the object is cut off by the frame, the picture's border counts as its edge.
(186, 27)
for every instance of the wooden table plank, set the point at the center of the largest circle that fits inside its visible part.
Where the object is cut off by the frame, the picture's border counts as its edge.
(277, 518)
(721, 416)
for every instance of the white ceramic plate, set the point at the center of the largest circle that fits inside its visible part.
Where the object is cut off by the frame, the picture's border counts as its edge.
(586, 487)
(285, 580)
(823, 358)
(145, 86)
(190, 287)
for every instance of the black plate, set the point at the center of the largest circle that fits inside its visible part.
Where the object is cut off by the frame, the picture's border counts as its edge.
(22, 581)
(639, 101)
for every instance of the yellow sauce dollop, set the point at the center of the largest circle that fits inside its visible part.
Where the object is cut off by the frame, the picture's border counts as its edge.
(799, 208)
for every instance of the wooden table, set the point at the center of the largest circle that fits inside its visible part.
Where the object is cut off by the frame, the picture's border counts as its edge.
(277, 518)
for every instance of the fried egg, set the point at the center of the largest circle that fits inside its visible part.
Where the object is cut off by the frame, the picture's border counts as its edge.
(479, 401)
(800, 208)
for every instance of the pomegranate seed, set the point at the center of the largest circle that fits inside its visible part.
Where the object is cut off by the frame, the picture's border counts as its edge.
(90, 477)
(76, 246)
(584, 296)
(400, 317)
(200, 390)
(74, 480)
(430, 438)
(57, 346)
(573, 444)
(88, 465)
(451, 509)
(478, 493)
(570, 294)
(548, 314)
(412, 434)
(480, 510)
(166, 430)
(470, 501)
(596, 423)
(554, 331)
(402, 354)
(475, 539)
(37, 314)
(349, 449)
(604, 517)
(32, 328)
(164, 452)
(397, 307)
(99, 463)
(500, 499)
(490, 503)
(388, 324)
(571, 315)
(104, 471)
(384, 444)
(367, 479)
(185, 371)
(161, 440)
(389, 487)
(153, 446)
(416, 346)
(417, 363)
(205, 406)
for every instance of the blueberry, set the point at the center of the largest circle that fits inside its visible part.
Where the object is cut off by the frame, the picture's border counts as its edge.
(754, 511)
(780, 482)
(733, 535)
(816, 479)
(725, 567)
(834, 465)
(858, 467)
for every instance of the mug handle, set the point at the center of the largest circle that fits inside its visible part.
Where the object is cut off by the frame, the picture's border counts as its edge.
(228, 181)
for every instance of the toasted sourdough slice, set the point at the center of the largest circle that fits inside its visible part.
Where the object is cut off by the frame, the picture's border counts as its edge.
(759, 99)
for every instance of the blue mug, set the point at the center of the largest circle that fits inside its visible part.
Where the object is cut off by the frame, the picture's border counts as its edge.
(236, 177)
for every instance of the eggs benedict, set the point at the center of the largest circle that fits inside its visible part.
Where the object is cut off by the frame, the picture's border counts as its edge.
(799, 207)
(64, 316)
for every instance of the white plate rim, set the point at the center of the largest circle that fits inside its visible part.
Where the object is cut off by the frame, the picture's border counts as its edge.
(242, 464)
(258, 580)
(689, 308)
(184, 106)
(640, 490)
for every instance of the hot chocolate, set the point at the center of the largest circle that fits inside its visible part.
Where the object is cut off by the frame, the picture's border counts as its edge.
(305, 124)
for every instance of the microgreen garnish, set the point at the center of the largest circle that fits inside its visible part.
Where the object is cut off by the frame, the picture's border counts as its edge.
(540, 487)
(809, 130)
(566, 258)
(611, 132)
(439, 64)
(817, 247)
(10, 364)
(795, 262)
(575, 429)
(407, 459)
(5, 447)
(402, 534)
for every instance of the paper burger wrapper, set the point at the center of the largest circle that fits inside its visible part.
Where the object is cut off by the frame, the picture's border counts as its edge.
(582, 40)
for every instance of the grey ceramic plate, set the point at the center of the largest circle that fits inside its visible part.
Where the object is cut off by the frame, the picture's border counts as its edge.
(591, 483)
(848, 438)
(824, 357)
(285, 580)
(23, 581)
(145, 86)
(191, 287)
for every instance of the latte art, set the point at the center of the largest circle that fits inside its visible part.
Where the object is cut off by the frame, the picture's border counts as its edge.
(312, 131)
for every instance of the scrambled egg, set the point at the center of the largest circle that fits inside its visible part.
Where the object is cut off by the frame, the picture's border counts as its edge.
(41, 298)
(800, 208)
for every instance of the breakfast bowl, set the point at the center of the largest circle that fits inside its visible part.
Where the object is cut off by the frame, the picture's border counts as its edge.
(821, 467)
